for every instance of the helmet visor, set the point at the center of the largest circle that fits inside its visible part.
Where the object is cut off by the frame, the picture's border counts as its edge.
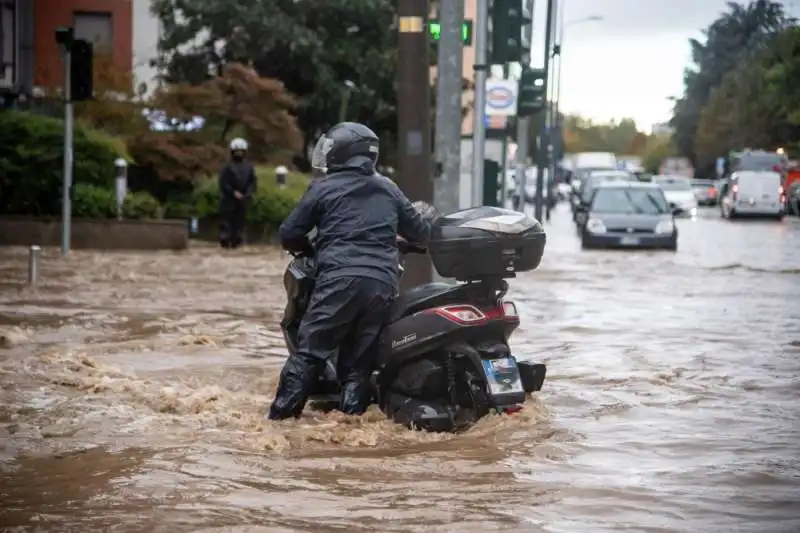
(319, 157)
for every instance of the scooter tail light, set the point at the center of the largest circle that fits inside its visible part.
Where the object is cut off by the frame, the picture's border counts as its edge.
(510, 310)
(461, 314)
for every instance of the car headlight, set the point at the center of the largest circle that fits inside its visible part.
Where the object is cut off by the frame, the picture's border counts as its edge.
(665, 226)
(594, 225)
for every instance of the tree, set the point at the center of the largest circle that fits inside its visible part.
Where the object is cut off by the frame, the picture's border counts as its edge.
(115, 109)
(757, 104)
(313, 47)
(239, 102)
(656, 149)
(736, 35)
(583, 135)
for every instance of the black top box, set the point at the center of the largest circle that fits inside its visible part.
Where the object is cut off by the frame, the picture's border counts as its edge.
(486, 242)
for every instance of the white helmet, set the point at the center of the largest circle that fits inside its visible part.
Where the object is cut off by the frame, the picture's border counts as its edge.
(238, 145)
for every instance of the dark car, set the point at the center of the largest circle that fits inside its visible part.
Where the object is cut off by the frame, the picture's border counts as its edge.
(629, 215)
(587, 187)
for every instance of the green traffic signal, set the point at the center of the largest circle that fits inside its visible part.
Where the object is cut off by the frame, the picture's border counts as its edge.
(435, 30)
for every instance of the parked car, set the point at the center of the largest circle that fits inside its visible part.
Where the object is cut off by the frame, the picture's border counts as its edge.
(754, 193)
(705, 191)
(679, 193)
(629, 215)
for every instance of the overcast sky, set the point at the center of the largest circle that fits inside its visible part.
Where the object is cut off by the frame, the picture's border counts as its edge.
(631, 62)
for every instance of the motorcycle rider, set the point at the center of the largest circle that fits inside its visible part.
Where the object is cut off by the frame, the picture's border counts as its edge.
(237, 185)
(358, 215)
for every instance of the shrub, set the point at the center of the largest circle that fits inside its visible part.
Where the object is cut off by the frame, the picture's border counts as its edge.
(270, 205)
(91, 201)
(31, 162)
(141, 205)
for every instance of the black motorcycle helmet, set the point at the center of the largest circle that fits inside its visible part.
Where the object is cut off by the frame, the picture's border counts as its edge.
(347, 146)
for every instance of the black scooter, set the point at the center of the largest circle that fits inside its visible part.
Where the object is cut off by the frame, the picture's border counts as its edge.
(444, 360)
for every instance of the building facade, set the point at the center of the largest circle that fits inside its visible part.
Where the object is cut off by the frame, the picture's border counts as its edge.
(29, 54)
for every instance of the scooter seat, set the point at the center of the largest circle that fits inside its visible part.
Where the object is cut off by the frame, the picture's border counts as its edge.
(418, 298)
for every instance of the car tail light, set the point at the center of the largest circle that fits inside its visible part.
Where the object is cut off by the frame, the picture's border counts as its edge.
(712, 191)
(780, 190)
(461, 314)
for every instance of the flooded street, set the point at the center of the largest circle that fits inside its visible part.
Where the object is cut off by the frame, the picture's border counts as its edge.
(134, 388)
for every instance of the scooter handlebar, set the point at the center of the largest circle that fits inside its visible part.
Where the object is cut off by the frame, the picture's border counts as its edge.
(406, 247)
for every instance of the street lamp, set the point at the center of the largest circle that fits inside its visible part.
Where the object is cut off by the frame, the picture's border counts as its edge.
(557, 49)
(344, 106)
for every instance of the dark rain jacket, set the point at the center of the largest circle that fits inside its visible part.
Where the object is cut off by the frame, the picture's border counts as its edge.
(237, 176)
(358, 218)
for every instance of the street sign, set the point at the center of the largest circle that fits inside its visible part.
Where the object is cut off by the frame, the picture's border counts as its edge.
(501, 97)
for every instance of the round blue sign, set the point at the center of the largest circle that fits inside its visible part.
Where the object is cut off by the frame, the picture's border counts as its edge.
(499, 97)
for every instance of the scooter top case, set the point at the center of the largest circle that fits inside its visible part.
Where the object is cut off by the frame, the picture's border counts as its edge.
(486, 242)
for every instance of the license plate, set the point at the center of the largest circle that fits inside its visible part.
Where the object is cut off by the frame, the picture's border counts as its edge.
(629, 241)
(502, 376)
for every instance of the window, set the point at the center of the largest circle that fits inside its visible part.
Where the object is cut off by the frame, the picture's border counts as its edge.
(96, 28)
(632, 200)
(8, 40)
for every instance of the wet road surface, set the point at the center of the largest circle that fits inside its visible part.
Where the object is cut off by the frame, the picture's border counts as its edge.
(133, 390)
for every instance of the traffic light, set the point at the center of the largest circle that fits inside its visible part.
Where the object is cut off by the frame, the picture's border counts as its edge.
(435, 29)
(526, 34)
(507, 21)
(81, 70)
(532, 92)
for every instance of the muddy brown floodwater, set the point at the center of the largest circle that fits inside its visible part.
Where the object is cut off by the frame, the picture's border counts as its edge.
(134, 388)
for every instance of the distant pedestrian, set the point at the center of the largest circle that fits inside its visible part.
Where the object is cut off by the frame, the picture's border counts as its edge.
(237, 185)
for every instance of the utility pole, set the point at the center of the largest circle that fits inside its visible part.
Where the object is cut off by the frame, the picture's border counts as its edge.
(553, 117)
(479, 112)
(523, 128)
(414, 128)
(543, 137)
(448, 107)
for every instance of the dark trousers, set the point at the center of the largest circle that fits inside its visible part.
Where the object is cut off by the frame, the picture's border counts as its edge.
(231, 224)
(346, 313)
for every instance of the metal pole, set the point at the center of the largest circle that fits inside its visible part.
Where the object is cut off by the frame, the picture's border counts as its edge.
(523, 139)
(66, 199)
(560, 59)
(448, 107)
(551, 166)
(543, 142)
(33, 264)
(414, 124)
(479, 112)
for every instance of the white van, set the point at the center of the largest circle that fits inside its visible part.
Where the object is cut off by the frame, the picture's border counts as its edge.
(753, 192)
(598, 160)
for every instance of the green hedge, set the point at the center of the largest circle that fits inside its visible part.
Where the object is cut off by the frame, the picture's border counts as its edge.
(31, 162)
(91, 201)
(31, 167)
(270, 205)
